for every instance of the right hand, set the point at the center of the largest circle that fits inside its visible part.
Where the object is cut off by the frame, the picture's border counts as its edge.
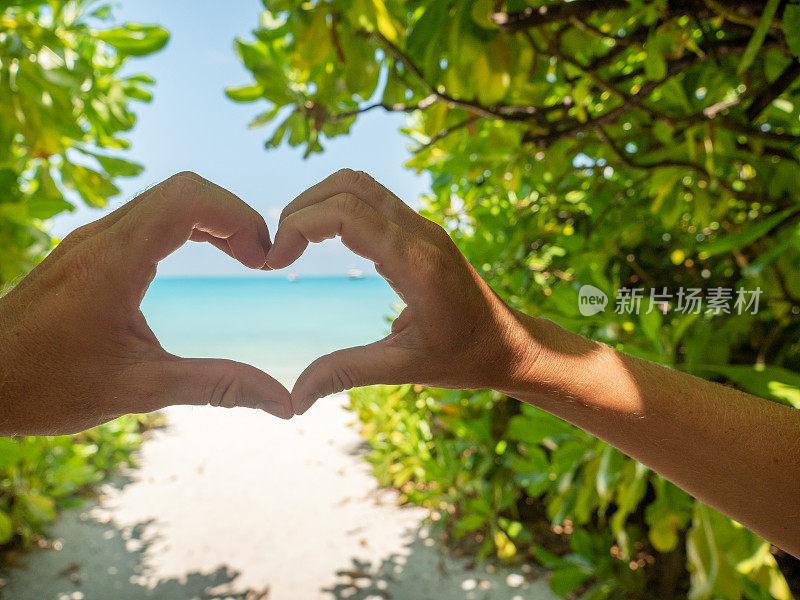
(454, 333)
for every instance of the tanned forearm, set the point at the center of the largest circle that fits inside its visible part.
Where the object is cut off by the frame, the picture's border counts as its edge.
(733, 451)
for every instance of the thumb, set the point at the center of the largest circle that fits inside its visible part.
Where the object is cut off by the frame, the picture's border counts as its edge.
(219, 382)
(374, 363)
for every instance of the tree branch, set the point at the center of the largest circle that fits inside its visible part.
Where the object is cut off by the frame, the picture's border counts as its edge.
(533, 17)
(773, 90)
(569, 127)
(684, 164)
(421, 105)
(445, 132)
(784, 287)
(497, 112)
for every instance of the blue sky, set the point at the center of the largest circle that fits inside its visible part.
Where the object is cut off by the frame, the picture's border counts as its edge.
(191, 125)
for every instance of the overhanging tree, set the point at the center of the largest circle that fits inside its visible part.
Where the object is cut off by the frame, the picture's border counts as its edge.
(63, 107)
(626, 143)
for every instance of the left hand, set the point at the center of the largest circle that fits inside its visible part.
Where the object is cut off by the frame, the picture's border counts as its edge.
(76, 349)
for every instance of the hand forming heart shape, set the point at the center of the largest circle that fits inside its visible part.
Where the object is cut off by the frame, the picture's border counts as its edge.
(455, 332)
(90, 356)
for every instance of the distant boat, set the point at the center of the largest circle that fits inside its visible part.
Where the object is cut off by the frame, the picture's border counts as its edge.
(293, 277)
(355, 274)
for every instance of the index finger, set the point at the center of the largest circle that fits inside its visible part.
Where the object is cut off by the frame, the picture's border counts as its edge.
(403, 258)
(176, 209)
(347, 181)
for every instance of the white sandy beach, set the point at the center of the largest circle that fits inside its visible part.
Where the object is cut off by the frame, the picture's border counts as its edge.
(236, 504)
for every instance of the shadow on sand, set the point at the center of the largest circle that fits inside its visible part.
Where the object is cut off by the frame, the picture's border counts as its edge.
(90, 558)
(427, 570)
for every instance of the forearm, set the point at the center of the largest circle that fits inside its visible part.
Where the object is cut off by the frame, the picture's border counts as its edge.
(736, 452)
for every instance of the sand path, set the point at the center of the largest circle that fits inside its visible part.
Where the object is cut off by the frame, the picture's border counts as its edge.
(235, 504)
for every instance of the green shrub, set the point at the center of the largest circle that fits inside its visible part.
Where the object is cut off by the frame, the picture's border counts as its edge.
(63, 107)
(39, 475)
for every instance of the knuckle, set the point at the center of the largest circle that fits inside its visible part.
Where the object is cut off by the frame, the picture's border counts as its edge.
(430, 260)
(350, 205)
(357, 179)
(224, 392)
(364, 179)
(77, 236)
(346, 176)
(76, 266)
(187, 175)
(439, 234)
(289, 223)
(341, 380)
(181, 184)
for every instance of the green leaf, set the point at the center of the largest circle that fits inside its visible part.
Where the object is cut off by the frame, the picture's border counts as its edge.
(40, 508)
(9, 452)
(713, 573)
(791, 27)
(770, 382)
(481, 11)
(652, 320)
(134, 39)
(6, 527)
(655, 65)
(468, 523)
(548, 559)
(566, 579)
(246, 93)
(536, 426)
(94, 188)
(748, 235)
(46, 207)
(117, 167)
(757, 39)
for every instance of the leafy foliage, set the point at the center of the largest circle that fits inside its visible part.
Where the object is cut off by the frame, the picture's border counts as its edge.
(627, 143)
(39, 475)
(63, 106)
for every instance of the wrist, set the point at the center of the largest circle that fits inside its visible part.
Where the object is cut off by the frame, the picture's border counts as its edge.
(549, 362)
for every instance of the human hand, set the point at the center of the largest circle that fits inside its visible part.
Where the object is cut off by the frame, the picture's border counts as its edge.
(76, 349)
(454, 333)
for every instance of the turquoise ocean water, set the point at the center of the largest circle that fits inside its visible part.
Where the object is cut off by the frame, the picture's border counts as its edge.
(269, 322)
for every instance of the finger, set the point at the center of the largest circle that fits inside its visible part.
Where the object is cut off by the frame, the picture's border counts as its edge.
(366, 188)
(164, 220)
(90, 229)
(218, 243)
(215, 382)
(405, 259)
(375, 363)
